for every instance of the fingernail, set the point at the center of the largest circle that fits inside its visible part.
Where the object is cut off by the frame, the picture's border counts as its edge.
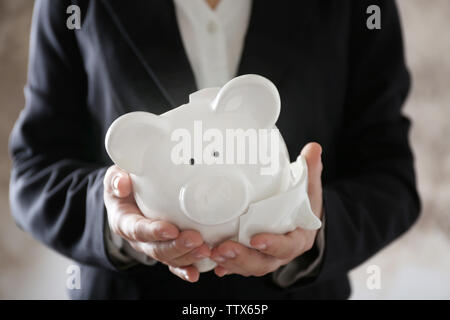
(219, 259)
(184, 274)
(230, 254)
(199, 256)
(115, 182)
(260, 246)
(167, 235)
(188, 243)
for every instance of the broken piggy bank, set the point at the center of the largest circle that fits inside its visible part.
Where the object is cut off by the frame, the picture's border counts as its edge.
(217, 164)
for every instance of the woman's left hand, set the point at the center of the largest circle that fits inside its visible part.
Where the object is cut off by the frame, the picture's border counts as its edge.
(270, 251)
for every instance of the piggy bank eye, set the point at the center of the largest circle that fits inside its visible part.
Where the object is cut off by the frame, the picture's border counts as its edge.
(215, 154)
(192, 161)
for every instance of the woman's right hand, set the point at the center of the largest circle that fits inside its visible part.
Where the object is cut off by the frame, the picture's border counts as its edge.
(157, 239)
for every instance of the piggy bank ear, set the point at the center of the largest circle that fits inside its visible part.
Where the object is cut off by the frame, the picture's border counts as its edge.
(250, 96)
(130, 136)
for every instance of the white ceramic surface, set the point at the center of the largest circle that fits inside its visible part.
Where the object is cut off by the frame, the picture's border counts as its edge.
(221, 201)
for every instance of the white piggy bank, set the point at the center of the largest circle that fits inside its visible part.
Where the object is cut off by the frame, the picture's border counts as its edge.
(208, 164)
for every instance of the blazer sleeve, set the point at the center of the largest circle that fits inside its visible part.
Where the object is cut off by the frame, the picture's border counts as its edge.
(374, 199)
(56, 187)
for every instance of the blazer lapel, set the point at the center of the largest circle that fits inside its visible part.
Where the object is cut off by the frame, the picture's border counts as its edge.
(270, 36)
(151, 30)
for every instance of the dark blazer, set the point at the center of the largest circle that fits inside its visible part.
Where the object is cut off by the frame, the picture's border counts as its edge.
(341, 85)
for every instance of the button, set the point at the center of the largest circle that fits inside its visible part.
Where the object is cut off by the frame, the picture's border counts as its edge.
(212, 27)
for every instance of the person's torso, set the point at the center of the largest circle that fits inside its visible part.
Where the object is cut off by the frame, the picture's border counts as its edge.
(135, 61)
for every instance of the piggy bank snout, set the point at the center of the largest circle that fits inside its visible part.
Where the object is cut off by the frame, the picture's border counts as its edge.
(214, 199)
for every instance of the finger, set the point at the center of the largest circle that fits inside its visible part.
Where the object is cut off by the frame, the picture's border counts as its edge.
(124, 216)
(313, 156)
(284, 247)
(189, 273)
(167, 251)
(135, 227)
(117, 182)
(312, 153)
(239, 259)
(221, 271)
(191, 257)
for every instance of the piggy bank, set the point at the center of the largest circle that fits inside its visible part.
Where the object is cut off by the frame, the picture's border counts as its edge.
(217, 164)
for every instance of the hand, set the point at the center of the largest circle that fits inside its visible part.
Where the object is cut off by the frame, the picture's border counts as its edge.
(159, 240)
(271, 251)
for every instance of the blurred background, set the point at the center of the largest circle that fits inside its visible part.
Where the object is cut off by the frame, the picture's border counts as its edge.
(416, 266)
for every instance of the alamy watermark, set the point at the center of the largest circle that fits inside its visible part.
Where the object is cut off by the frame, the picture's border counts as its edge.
(374, 20)
(373, 281)
(74, 20)
(73, 281)
(230, 146)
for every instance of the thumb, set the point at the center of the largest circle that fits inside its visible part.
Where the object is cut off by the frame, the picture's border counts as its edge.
(121, 185)
(313, 155)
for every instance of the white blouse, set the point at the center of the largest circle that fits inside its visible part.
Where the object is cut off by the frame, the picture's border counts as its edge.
(213, 39)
